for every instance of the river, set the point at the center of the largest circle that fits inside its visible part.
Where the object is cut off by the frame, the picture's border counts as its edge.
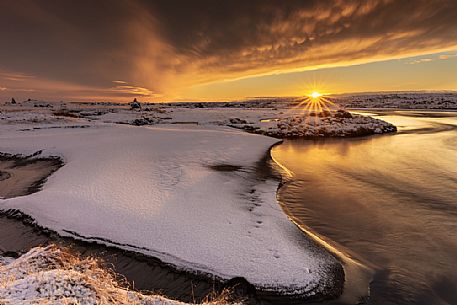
(388, 202)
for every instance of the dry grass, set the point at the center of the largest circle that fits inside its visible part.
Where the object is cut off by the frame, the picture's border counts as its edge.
(53, 275)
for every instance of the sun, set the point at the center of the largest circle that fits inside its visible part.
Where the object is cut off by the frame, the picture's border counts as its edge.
(314, 104)
(315, 95)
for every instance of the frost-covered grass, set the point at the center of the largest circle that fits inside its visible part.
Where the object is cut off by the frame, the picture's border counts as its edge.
(52, 275)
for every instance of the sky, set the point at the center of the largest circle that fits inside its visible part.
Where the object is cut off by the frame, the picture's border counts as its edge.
(162, 50)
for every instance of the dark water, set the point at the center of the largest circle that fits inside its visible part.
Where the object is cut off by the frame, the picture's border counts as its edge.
(389, 202)
(135, 271)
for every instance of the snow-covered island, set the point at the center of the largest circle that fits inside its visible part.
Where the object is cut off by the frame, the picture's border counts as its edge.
(337, 123)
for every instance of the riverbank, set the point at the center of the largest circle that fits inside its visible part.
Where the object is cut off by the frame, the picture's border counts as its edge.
(134, 271)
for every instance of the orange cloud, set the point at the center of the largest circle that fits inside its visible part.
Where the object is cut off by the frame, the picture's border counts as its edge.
(447, 56)
(166, 47)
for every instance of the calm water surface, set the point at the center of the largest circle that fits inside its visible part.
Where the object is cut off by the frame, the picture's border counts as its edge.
(389, 202)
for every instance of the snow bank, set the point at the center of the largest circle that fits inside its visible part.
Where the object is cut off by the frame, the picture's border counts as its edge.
(52, 276)
(152, 190)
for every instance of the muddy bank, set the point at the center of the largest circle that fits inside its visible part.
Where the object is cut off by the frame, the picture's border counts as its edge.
(23, 175)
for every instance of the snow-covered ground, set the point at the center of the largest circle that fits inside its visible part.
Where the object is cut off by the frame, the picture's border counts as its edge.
(276, 122)
(282, 121)
(156, 190)
(380, 100)
(407, 100)
(50, 275)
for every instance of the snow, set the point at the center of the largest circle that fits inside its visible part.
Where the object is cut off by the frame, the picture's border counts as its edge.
(401, 100)
(49, 275)
(328, 124)
(152, 190)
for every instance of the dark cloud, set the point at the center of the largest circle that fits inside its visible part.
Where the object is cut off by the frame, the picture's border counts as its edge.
(161, 45)
(241, 35)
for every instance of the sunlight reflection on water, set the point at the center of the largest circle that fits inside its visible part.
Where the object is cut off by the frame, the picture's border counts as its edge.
(391, 200)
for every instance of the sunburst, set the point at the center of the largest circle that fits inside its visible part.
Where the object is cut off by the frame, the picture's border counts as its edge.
(313, 105)
(314, 102)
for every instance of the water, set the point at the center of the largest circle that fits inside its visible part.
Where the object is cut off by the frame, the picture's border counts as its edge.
(389, 202)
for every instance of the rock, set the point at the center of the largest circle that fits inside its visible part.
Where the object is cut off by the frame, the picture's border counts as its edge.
(13, 101)
(135, 104)
(343, 114)
(238, 121)
(143, 121)
(4, 175)
(324, 113)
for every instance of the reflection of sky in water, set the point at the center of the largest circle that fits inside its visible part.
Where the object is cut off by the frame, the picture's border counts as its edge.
(389, 199)
(414, 120)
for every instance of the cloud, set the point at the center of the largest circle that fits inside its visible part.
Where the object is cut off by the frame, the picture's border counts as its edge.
(418, 61)
(440, 57)
(126, 89)
(447, 56)
(248, 37)
(15, 76)
(163, 46)
(37, 87)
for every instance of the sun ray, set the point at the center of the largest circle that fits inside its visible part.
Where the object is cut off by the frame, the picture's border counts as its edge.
(312, 107)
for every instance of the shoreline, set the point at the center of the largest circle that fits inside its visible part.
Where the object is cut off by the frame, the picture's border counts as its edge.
(353, 270)
(141, 271)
